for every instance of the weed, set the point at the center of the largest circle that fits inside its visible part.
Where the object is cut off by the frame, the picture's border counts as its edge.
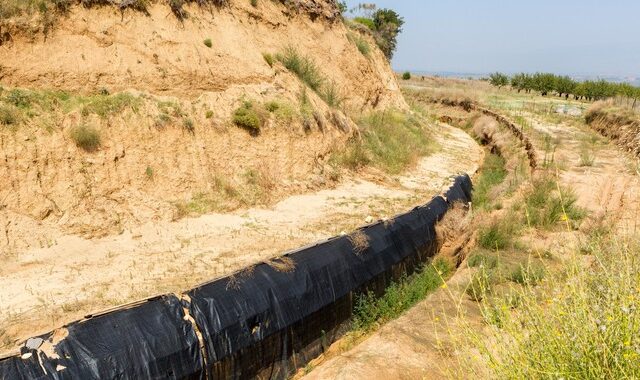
(149, 172)
(208, 43)
(359, 241)
(361, 43)
(208, 114)
(587, 156)
(19, 98)
(546, 206)
(254, 3)
(86, 137)
(480, 285)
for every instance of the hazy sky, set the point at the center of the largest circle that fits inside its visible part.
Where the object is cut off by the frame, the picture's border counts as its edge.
(597, 37)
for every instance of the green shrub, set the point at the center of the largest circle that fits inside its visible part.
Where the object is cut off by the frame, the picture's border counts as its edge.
(361, 43)
(208, 43)
(254, 3)
(482, 259)
(546, 206)
(365, 21)
(149, 172)
(248, 118)
(208, 114)
(304, 67)
(86, 137)
(406, 75)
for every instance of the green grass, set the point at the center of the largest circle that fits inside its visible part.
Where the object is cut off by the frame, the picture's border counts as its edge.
(109, 105)
(583, 323)
(500, 233)
(492, 173)
(545, 205)
(371, 312)
(86, 137)
(9, 115)
(482, 259)
(304, 67)
(529, 274)
(391, 141)
(361, 43)
(269, 59)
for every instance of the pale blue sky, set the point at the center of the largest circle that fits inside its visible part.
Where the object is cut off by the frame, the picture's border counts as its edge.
(593, 37)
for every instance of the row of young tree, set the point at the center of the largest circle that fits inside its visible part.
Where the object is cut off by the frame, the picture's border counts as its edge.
(546, 83)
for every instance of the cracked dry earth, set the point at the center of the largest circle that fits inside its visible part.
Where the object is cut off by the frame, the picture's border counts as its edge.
(421, 343)
(46, 287)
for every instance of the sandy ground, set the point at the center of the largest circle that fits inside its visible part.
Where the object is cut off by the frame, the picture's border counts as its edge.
(421, 343)
(46, 287)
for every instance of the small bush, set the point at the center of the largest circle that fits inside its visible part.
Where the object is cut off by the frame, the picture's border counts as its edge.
(208, 43)
(149, 172)
(406, 75)
(86, 137)
(331, 95)
(361, 44)
(248, 118)
(208, 114)
(254, 3)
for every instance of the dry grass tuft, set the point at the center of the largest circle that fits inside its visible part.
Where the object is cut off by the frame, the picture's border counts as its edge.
(282, 264)
(359, 241)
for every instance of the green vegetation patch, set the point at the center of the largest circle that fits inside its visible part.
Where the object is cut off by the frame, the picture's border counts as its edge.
(371, 312)
(86, 137)
(391, 141)
(492, 173)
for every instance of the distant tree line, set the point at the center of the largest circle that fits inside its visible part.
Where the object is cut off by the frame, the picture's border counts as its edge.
(565, 86)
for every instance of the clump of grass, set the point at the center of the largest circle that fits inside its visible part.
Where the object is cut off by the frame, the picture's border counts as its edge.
(107, 105)
(482, 259)
(546, 205)
(149, 172)
(371, 311)
(586, 327)
(363, 46)
(492, 173)
(304, 67)
(208, 43)
(208, 114)
(9, 115)
(529, 274)
(19, 98)
(269, 59)
(391, 141)
(587, 156)
(331, 94)
(86, 137)
(188, 125)
(499, 234)
(282, 110)
(480, 285)
(247, 117)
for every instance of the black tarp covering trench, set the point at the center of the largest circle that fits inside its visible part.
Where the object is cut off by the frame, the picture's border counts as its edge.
(263, 322)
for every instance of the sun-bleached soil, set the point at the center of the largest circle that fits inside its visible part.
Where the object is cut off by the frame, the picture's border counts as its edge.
(43, 288)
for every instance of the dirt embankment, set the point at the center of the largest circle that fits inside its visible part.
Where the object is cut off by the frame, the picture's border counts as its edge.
(620, 125)
(173, 149)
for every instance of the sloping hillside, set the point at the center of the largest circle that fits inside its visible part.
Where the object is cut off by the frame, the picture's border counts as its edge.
(113, 118)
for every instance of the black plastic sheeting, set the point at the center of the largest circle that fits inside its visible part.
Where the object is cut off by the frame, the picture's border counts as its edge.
(149, 341)
(264, 322)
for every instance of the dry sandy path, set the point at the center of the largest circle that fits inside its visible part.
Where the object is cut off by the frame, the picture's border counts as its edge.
(46, 287)
(418, 345)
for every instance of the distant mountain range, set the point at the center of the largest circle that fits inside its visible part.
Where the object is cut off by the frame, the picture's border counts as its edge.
(634, 80)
